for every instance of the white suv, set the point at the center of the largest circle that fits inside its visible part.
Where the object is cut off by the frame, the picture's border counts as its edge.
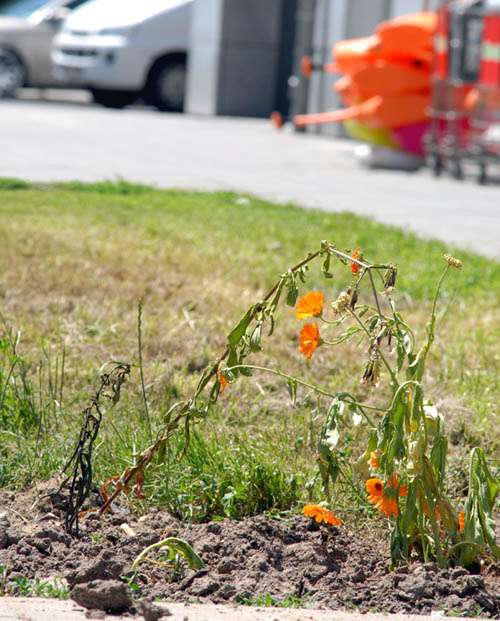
(122, 50)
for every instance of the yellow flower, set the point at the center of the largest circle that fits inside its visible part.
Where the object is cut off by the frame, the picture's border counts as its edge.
(320, 514)
(310, 305)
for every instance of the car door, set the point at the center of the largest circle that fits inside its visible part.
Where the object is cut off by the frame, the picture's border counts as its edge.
(44, 29)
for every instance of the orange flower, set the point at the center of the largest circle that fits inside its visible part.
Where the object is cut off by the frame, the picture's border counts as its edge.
(375, 488)
(223, 382)
(437, 512)
(310, 305)
(385, 498)
(357, 256)
(320, 514)
(461, 521)
(373, 461)
(393, 481)
(309, 340)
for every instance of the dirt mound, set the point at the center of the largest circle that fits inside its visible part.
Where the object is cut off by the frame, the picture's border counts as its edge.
(250, 561)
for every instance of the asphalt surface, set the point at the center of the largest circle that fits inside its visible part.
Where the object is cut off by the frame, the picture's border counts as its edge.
(14, 609)
(57, 141)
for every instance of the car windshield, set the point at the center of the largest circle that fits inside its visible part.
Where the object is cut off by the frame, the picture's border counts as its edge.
(127, 11)
(21, 8)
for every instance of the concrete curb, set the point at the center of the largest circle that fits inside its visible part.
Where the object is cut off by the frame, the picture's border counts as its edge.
(36, 609)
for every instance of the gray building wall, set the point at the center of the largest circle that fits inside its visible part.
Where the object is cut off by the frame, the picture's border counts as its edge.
(235, 49)
(234, 57)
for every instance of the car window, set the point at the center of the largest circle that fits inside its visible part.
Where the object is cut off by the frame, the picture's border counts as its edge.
(75, 4)
(21, 8)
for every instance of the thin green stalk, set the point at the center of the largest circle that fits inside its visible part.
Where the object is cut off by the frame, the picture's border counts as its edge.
(313, 387)
(141, 371)
(382, 357)
(374, 290)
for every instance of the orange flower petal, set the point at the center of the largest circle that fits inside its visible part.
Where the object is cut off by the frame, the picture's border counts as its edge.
(384, 497)
(222, 382)
(310, 305)
(357, 255)
(373, 461)
(309, 340)
(374, 487)
(322, 515)
(461, 521)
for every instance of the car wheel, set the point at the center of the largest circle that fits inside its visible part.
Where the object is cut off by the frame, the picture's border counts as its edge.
(167, 86)
(12, 73)
(113, 99)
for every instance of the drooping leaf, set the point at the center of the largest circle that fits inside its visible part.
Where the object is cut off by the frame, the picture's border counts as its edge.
(239, 330)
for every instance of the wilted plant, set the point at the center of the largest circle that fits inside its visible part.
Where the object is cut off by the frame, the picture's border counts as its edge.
(406, 449)
(177, 550)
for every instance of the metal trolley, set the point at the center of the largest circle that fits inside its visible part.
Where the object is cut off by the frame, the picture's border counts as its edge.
(465, 108)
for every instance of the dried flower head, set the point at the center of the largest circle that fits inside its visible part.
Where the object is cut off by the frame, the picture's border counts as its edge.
(341, 304)
(309, 340)
(320, 514)
(310, 305)
(452, 261)
(371, 376)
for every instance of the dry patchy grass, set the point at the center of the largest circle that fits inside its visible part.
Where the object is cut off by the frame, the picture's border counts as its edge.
(75, 260)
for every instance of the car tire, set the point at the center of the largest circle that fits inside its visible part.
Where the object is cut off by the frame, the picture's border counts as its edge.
(12, 73)
(113, 99)
(166, 85)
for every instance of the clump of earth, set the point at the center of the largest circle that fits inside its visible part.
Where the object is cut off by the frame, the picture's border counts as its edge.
(245, 562)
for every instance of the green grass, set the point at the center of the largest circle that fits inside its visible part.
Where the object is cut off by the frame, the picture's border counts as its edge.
(75, 260)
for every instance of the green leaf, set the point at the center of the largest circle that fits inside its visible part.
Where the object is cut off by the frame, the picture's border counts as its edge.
(256, 338)
(292, 295)
(326, 267)
(292, 390)
(238, 332)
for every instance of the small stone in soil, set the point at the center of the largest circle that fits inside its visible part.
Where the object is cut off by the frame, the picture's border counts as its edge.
(109, 595)
(104, 568)
(150, 611)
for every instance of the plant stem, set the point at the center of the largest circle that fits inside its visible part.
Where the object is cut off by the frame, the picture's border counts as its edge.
(383, 358)
(141, 371)
(313, 387)
(432, 324)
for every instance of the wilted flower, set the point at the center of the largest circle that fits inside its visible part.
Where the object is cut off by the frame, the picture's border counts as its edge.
(320, 514)
(372, 372)
(452, 261)
(341, 304)
(390, 278)
(310, 305)
(309, 340)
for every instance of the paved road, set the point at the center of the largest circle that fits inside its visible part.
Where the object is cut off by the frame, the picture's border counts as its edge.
(14, 609)
(65, 141)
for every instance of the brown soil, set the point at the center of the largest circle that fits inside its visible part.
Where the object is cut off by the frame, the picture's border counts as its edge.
(258, 556)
